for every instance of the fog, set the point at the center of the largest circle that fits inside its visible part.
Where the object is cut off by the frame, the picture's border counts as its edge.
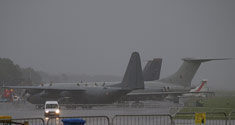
(97, 37)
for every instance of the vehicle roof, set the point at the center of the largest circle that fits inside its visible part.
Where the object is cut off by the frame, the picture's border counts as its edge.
(51, 102)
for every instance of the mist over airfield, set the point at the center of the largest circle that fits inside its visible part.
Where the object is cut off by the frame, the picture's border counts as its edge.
(97, 37)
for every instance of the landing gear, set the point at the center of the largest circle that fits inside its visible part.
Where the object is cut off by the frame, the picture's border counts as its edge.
(86, 106)
(122, 104)
(137, 104)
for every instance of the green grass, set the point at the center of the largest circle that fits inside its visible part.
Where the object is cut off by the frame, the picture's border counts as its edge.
(220, 102)
(216, 104)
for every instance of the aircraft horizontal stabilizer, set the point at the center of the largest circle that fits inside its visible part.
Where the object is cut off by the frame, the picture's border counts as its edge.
(203, 60)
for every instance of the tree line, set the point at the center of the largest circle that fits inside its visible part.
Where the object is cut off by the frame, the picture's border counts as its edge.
(13, 74)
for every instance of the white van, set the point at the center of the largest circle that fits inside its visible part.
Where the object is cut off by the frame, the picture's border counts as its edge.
(51, 109)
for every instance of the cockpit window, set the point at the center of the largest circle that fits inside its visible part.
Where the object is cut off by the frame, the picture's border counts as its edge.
(51, 106)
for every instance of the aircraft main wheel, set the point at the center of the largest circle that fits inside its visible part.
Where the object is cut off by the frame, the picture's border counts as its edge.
(123, 105)
(137, 105)
(87, 107)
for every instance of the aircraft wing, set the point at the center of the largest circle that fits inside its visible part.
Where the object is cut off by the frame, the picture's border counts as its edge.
(163, 93)
(45, 88)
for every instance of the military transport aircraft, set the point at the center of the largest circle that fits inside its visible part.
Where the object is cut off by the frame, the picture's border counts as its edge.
(171, 87)
(132, 80)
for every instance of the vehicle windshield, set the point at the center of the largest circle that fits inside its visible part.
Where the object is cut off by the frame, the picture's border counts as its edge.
(51, 106)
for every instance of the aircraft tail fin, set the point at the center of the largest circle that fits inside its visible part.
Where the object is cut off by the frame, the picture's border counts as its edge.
(152, 70)
(133, 78)
(201, 87)
(186, 72)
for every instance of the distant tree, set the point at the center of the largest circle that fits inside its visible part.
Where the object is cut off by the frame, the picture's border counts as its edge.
(10, 74)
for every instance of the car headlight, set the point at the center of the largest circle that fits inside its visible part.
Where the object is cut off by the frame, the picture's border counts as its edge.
(47, 111)
(57, 111)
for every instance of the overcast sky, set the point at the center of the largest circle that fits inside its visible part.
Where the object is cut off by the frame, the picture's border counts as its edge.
(97, 37)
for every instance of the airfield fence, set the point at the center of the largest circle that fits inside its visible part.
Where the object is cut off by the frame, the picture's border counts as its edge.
(232, 118)
(90, 120)
(23, 121)
(212, 118)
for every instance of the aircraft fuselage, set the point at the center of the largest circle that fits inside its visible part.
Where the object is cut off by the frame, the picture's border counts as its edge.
(90, 95)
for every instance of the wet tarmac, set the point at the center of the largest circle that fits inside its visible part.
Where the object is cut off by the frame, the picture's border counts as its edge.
(29, 111)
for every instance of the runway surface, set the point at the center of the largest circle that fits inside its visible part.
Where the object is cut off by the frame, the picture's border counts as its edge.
(29, 111)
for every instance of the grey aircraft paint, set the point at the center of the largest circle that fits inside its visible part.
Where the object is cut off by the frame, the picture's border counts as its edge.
(186, 72)
(152, 70)
(132, 80)
(174, 85)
